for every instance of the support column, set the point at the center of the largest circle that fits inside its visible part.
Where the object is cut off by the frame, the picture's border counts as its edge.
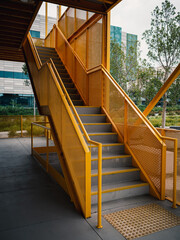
(46, 19)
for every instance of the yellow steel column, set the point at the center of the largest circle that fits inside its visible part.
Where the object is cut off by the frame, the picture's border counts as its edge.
(66, 26)
(46, 19)
(99, 185)
(108, 42)
(59, 12)
(75, 20)
(175, 174)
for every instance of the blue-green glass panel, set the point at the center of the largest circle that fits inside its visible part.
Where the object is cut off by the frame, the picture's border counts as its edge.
(35, 34)
(16, 75)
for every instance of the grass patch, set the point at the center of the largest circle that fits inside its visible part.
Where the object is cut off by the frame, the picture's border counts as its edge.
(171, 120)
(12, 124)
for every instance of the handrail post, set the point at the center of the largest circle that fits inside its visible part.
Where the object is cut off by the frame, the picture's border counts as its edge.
(163, 171)
(21, 126)
(175, 174)
(47, 153)
(125, 120)
(31, 138)
(99, 185)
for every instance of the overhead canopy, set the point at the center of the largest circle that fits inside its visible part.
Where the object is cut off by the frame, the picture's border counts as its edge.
(17, 16)
(97, 6)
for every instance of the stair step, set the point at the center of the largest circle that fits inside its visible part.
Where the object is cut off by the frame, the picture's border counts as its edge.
(108, 150)
(112, 176)
(113, 161)
(48, 49)
(93, 118)
(68, 85)
(111, 171)
(98, 127)
(71, 90)
(60, 67)
(45, 54)
(64, 75)
(62, 71)
(67, 80)
(78, 102)
(108, 137)
(75, 96)
(88, 110)
(120, 190)
(45, 57)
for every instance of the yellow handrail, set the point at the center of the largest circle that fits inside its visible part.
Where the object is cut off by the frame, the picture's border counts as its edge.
(35, 53)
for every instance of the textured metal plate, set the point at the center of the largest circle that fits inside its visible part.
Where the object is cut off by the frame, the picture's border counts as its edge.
(137, 222)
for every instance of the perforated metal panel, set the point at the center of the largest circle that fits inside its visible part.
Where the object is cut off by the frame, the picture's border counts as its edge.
(140, 221)
(140, 137)
(95, 45)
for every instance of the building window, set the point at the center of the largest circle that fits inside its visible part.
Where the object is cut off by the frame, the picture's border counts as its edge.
(35, 34)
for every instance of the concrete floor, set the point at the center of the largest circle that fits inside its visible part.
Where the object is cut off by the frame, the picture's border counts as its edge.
(33, 206)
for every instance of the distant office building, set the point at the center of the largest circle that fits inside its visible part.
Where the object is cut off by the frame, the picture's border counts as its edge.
(127, 41)
(13, 90)
(124, 38)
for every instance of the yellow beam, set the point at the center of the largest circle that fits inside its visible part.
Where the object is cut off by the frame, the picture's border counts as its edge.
(108, 41)
(59, 12)
(162, 90)
(46, 19)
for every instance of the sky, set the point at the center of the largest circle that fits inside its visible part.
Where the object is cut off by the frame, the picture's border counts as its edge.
(133, 16)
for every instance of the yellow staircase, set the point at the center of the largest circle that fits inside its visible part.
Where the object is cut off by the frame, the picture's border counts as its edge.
(107, 143)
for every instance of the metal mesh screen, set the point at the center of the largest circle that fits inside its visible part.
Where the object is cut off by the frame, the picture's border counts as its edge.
(70, 22)
(80, 18)
(114, 104)
(75, 68)
(170, 163)
(80, 47)
(142, 141)
(145, 146)
(62, 24)
(95, 45)
(71, 144)
(95, 93)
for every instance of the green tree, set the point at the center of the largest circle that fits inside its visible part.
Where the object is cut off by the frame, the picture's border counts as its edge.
(164, 42)
(174, 92)
(147, 84)
(123, 63)
(25, 71)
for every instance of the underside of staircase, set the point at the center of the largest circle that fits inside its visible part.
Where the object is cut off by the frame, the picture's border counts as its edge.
(120, 179)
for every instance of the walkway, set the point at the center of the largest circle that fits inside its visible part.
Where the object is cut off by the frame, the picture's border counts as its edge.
(33, 206)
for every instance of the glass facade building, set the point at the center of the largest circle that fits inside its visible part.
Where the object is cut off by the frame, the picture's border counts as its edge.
(127, 39)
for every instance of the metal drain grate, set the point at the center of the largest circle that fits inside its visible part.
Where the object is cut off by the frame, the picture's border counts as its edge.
(137, 222)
